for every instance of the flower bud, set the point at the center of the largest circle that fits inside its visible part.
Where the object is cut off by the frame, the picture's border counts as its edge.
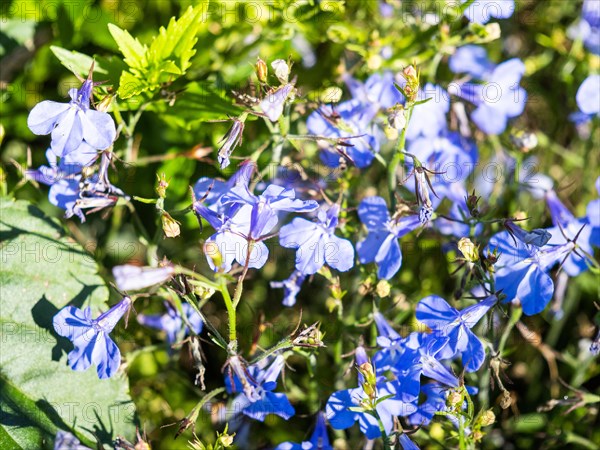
(469, 250)
(163, 184)
(332, 94)
(472, 201)
(397, 119)
(410, 73)
(226, 440)
(454, 399)
(262, 70)
(169, 225)
(282, 70)
(105, 103)
(487, 418)
(383, 288)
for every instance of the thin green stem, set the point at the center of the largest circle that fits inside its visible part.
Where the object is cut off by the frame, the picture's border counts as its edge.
(397, 159)
(231, 313)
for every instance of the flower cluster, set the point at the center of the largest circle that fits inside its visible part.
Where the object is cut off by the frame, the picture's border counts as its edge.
(80, 136)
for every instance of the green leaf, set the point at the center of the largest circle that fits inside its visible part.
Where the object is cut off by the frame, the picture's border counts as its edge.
(43, 271)
(76, 62)
(177, 40)
(132, 49)
(131, 85)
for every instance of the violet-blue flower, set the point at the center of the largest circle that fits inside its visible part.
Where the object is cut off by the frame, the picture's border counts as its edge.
(259, 400)
(449, 158)
(73, 123)
(378, 89)
(381, 244)
(429, 118)
(291, 287)
(499, 98)
(209, 191)
(447, 321)
(521, 270)
(569, 228)
(588, 99)
(90, 337)
(316, 243)
(131, 278)
(341, 412)
(240, 231)
(230, 141)
(172, 322)
(588, 28)
(481, 11)
(350, 121)
(472, 60)
(318, 440)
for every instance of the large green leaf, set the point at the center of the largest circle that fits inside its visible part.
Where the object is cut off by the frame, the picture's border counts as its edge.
(41, 272)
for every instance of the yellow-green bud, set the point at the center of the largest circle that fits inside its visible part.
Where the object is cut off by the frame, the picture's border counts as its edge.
(170, 226)
(383, 288)
(454, 399)
(262, 70)
(487, 418)
(163, 184)
(469, 250)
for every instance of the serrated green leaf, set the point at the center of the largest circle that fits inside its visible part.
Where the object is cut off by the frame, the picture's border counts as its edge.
(43, 271)
(176, 42)
(76, 62)
(130, 85)
(132, 49)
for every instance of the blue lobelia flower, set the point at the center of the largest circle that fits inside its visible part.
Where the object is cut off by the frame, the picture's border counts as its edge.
(449, 157)
(569, 228)
(172, 322)
(230, 141)
(272, 105)
(429, 118)
(381, 244)
(472, 60)
(593, 217)
(73, 123)
(588, 28)
(341, 406)
(447, 321)
(377, 89)
(209, 191)
(68, 441)
(291, 287)
(537, 237)
(318, 440)
(350, 122)
(90, 337)
(72, 192)
(422, 356)
(256, 398)
(588, 100)
(406, 443)
(435, 401)
(132, 278)
(239, 232)
(262, 211)
(481, 11)
(521, 270)
(499, 98)
(316, 243)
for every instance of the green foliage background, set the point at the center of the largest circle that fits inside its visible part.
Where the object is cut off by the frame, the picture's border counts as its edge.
(168, 129)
